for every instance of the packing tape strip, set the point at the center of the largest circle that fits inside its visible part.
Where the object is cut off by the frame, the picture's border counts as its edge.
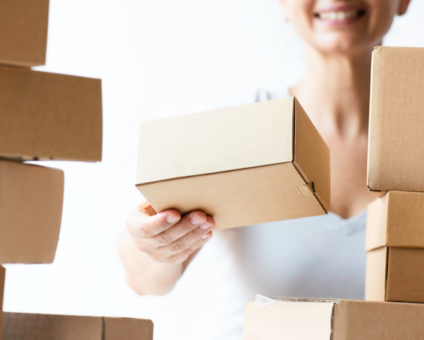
(262, 301)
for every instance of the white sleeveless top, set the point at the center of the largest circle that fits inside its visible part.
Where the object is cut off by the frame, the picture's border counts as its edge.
(321, 256)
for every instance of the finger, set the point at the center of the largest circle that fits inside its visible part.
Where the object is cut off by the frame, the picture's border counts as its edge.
(182, 256)
(141, 224)
(146, 207)
(185, 242)
(188, 223)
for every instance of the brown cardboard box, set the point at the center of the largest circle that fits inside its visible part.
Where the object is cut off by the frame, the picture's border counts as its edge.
(395, 245)
(2, 281)
(31, 199)
(312, 319)
(19, 326)
(396, 141)
(23, 32)
(243, 165)
(49, 116)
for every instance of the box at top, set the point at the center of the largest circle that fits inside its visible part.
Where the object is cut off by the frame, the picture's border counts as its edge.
(396, 139)
(23, 32)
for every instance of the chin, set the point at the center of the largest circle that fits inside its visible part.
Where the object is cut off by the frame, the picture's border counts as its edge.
(346, 44)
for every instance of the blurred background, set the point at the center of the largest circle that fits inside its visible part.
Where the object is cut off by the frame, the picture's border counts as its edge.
(156, 59)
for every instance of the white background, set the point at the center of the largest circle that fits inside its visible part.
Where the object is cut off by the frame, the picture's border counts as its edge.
(156, 59)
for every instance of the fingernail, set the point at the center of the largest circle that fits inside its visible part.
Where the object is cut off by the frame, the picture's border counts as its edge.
(205, 226)
(205, 236)
(172, 218)
(196, 219)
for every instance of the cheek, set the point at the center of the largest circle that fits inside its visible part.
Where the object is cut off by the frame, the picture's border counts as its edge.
(300, 15)
(381, 17)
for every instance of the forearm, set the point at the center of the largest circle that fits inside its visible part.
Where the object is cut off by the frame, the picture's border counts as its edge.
(143, 274)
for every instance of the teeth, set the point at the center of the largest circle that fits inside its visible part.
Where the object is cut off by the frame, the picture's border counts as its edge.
(338, 16)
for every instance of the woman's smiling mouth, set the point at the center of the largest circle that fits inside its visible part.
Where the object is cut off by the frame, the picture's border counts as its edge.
(337, 16)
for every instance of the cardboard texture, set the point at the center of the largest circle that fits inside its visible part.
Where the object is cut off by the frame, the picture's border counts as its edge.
(49, 116)
(395, 245)
(396, 141)
(119, 328)
(23, 32)
(333, 319)
(31, 199)
(20, 326)
(243, 165)
(2, 282)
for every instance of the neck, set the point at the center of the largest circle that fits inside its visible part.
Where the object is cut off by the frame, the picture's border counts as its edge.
(336, 91)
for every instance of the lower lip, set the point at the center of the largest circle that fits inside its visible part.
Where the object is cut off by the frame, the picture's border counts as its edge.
(343, 22)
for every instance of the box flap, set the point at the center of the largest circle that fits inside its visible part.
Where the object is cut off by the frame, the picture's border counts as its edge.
(23, 32)
(312, 156)
(360, 320)
(22, 326)
(376, 273)
(405, 275)
(49, 116)
(376, 233)
(396, 220)
(215, 141)
(31, 199)
(289, 319)
(396, 141)
(120, 328)
(405, 219)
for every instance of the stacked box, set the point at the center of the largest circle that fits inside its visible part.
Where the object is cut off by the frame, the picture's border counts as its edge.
(396, 139)
(49, 116)
(43, 116)
(395, 246)
(23, 32)
(395, 226)
(324, 319)
(31, 199)
(65, 327)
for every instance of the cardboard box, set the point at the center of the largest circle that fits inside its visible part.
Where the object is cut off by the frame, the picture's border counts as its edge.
(49, 116)
(23, 32)
(243, 165)
(314, 319)
(31, 199)
(395, 245)
(64, 327)
(2, 281)
(396, 141)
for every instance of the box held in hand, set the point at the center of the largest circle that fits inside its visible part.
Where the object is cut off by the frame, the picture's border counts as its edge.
(243, 165)
(31, 199)
(66, 327)
(396, 139)
(395, 246)
(49, 116)
(23, 32)
(324, 319)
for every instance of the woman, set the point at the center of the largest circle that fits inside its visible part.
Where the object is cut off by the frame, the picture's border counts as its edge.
(312, 257)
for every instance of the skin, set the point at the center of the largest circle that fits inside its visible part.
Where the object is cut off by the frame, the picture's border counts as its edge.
(156, 248)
